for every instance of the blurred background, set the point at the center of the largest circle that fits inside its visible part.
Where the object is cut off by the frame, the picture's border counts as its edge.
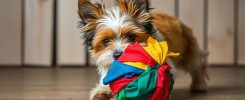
(45, 33)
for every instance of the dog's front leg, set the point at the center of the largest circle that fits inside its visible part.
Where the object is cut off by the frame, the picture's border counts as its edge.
(101, 91)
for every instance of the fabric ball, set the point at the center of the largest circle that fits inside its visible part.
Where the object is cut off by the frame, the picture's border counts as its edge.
(142, 73)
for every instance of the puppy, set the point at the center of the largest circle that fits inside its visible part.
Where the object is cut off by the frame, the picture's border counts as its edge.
(107, 32)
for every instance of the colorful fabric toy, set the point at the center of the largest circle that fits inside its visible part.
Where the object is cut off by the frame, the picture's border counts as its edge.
(142, 73)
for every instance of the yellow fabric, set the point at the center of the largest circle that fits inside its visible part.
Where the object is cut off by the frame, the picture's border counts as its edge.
(137, 64)
(157, 50)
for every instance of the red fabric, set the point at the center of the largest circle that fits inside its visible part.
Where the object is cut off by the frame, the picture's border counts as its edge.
(139, 55)
(161, 91)
(120, 83)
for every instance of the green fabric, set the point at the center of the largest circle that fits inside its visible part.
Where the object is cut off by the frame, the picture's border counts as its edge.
(172, 82)
(121, 95)
(141, 88)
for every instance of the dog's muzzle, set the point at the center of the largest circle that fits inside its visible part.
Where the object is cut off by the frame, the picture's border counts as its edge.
(117, 54)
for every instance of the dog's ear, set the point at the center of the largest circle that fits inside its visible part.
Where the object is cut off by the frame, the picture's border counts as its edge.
(89, 13)
(140, 10)
(134, 7)
(142, 5)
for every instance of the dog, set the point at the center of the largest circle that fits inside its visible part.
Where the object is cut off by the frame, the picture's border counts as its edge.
(108, 31)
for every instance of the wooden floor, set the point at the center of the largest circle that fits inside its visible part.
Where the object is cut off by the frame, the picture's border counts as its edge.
(75, 83)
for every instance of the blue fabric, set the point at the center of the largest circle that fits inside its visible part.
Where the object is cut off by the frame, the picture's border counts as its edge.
(119, 69)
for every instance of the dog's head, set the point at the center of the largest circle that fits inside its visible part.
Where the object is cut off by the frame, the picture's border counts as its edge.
(107, 32)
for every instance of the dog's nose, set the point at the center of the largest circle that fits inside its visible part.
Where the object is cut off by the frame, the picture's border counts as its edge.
(117, 54)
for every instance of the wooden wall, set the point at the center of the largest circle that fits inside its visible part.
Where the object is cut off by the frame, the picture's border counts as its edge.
(70, 48)
(166, 6)
(38, 32)
(217, 25)
(10, 32)
(221, 31)
(241, 32)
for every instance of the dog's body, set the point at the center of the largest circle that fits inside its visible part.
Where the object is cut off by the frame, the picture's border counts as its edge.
(109, 31)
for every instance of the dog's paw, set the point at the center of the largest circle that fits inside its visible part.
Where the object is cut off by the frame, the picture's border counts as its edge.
(102, 96)
(101, 92)
(199, 88)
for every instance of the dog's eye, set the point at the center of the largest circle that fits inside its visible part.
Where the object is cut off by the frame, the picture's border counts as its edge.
(106, 42)
(130, 37)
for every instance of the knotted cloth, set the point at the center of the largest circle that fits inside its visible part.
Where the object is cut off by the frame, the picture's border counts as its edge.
(142, 73)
